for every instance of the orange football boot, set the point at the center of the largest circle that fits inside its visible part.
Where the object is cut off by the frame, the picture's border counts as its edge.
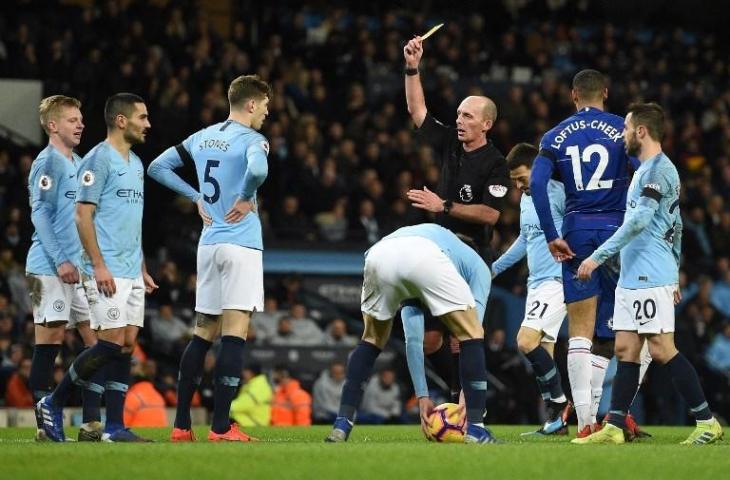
(181, 435)
(232, 435)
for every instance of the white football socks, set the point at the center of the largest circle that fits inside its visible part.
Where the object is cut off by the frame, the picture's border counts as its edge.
(598, 374)
(579, 373)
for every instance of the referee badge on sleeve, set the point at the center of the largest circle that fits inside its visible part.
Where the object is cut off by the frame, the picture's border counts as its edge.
(498, 191)
(45, 182)
(88, 178)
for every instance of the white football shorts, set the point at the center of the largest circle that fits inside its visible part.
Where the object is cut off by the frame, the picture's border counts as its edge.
(124, 308)
(56, 301)
(401, 268)
(230, 277)
(645, 310)
(545, 309)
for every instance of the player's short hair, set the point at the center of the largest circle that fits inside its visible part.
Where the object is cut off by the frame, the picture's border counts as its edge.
(51, 106)
(521, 155)
(247, 87)
(651, 116)
(119, 104)
(589, 84)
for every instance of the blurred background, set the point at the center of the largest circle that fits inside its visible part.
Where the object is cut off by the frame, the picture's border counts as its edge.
(343, 154)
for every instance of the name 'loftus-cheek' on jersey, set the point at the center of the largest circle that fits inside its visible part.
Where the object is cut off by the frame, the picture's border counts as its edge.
(587, 151)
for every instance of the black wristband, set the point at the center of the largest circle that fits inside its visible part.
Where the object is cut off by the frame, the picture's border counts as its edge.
(411, 71)
(447, 206)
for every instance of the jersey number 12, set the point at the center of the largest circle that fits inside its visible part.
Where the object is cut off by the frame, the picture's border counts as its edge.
(595, 182)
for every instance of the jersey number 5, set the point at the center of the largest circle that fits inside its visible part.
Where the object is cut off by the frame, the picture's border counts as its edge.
(595, 182)
(209, 179)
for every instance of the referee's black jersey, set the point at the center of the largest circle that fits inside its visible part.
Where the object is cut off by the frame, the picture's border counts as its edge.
(479, 176)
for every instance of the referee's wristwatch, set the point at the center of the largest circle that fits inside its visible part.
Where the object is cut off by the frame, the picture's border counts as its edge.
(447, 206)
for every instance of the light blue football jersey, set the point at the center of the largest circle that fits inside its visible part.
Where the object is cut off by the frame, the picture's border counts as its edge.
(116, 187)
(649, 259)
(227, 157)
(52, 186)
(468, 263)
(531, 240)
(650, 238)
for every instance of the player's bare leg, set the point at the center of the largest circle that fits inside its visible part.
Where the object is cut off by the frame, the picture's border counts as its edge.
(359, 368)
(581, 325)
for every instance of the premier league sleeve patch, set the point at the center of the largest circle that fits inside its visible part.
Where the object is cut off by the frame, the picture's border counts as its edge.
(45, 182)
(265, 145)
(498, 191)
(88, 178)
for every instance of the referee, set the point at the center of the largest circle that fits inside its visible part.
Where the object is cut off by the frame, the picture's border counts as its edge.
(472, 187)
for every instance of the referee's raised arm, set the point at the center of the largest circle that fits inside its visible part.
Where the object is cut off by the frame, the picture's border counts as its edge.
(415, 99)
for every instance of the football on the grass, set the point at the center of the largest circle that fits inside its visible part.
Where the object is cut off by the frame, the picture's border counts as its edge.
(447, 423)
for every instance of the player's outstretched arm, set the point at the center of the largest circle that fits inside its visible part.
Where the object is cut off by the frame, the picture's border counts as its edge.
(415, 99)
(635, 221)
(514, 254)
(162, 170)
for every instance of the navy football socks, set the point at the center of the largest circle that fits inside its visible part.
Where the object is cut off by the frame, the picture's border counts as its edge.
(191, 369)
(624, 388)
(116, 386)
(359, 369)
(684, 377)
(227, 379)
(83, 367)
(41, 370)
(473, 371)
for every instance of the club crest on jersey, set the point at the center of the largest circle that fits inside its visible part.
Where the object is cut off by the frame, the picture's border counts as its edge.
(59, 305)
(87, 178)
(265, 146)
(465, 193)
(498, 191)
(45, 183)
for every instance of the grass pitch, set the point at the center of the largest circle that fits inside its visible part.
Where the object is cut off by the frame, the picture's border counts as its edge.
(379, 453)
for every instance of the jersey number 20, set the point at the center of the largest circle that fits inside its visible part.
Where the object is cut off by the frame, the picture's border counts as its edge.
(595, 182)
